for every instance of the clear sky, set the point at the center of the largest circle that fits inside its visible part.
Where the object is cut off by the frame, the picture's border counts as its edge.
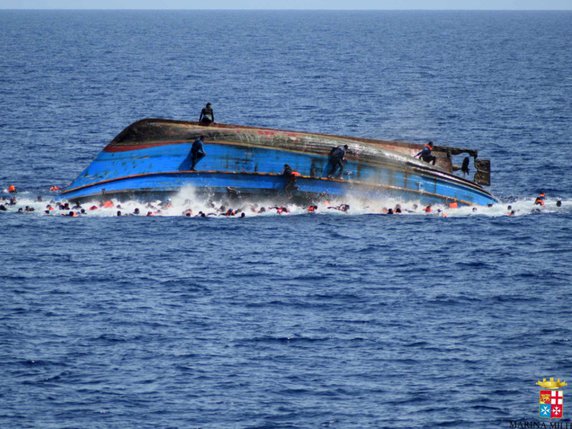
(290, 4)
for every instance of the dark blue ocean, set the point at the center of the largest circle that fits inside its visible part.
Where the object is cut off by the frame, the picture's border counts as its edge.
(350, 320)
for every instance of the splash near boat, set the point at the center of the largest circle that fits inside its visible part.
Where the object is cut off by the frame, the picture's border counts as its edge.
(154, 157)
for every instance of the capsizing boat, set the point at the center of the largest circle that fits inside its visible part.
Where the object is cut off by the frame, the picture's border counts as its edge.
(151, 158)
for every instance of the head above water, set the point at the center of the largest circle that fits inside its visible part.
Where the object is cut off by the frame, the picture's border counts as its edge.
(430, 144)
(209, 105)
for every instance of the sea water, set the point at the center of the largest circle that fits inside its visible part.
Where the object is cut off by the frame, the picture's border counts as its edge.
(330, 320)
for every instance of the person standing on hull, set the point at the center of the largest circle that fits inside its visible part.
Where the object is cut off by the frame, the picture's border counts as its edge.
(197, 152)
(426, 155)
(207, 115)
(336, 161)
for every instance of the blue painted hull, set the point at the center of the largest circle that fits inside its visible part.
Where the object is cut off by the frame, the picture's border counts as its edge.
(163, 168)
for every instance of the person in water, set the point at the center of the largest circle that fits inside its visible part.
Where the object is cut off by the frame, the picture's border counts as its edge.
(197, 152)
(540, 200)
(342, 207)
(426, 154)
(336, 161)
(207, 115)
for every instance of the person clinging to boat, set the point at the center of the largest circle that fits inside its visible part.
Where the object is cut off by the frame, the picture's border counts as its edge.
(426, 154)
(207, 115)
(290, 175)
(197, 152)
(336, 161)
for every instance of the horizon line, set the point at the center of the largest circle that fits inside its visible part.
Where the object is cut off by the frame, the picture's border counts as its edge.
(293, 9)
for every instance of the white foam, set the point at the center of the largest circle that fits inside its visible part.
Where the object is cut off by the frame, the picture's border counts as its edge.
(187, 199)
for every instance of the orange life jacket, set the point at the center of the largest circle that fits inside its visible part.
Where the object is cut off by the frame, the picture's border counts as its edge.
(11, 189)
(108, 204)
(453, 205)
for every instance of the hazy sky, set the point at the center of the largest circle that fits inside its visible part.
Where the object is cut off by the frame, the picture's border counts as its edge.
(288, 4)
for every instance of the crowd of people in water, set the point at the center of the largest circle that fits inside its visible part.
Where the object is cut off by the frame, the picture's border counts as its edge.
(9, 203)
(65, 208)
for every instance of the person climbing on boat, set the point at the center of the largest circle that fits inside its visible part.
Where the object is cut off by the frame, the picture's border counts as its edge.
(336, 161)
(207, 115)
(197, 152)
(290, 176)
(426, 155)
(465, 166)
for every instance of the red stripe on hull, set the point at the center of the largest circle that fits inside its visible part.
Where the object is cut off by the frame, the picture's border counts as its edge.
(127, 148)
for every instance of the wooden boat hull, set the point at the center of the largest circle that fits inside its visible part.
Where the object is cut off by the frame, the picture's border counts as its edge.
(153, 157)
